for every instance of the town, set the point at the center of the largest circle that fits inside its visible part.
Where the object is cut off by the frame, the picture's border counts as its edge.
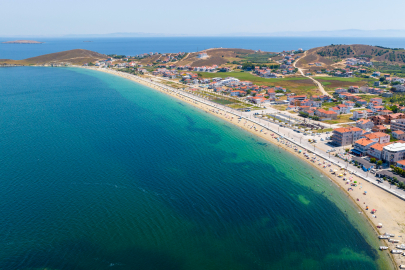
(366, 121)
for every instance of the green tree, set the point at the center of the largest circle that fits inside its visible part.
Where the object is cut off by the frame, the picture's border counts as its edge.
(379, 163)
(372, 160)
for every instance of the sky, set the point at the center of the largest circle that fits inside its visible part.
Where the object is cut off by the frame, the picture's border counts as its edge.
(198, 18)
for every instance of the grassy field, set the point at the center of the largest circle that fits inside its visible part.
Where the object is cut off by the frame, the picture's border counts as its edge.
(331, 83)
(322, 130)
(280, 107)
(327, 105)
(297, 85)
(368, 97)
(341, 119)
(342, 79)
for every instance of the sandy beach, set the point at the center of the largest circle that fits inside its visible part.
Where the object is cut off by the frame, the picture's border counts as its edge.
(390, 209)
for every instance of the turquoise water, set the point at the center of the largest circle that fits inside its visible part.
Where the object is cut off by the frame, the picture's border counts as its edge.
(98, 172)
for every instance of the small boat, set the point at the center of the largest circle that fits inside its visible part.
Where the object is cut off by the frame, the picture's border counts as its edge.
(383, 237)
(383, 247)
(393, 240)
(402, 246)
(402, 266)
(396, 251)
(390, 234)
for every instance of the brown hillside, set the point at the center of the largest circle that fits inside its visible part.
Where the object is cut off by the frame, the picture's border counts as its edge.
(75, 57)
(331, 54)
(215, 57)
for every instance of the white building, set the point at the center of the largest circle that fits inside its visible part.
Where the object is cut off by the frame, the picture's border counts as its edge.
(394, 152)
(202, 55)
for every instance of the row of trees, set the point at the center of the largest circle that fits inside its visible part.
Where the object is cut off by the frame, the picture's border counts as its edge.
(306, 115)
(394, 180)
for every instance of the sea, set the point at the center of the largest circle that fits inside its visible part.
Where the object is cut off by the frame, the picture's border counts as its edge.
(135, 46)
(99, 172)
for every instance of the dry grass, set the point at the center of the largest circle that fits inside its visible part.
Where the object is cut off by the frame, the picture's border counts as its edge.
(344, 118)
(78, 57)
(356, 50)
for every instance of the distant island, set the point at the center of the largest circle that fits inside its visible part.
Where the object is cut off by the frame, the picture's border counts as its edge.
(23, 42)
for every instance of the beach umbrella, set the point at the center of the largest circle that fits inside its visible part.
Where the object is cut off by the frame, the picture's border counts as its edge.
(379, 224)
(335, 170)
(365, 191)
(373, 210)
(355, 181)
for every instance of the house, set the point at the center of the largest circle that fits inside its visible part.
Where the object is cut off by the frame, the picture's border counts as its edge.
(377, 108)
(378, 120)
(260, 100)
(235, 93)
(377, 100)
(271, 93)
(377, 137)
(349, 104)
(398, 134)
(393, 116)
(317, 103)
(306, 102)
(291, 107)
(379, 128)
(335, 109)
(330, 115)
(359, 115)
(304, 108)
(361, 102)
(384, 112)
(293, 99)
(325, 98)
(376, 150)
(343, 108)
(361, 146)
(401, 164)
(398, 125)
(346, 136)
(340, 90)
(202, 55)
(325, 114)
(364, 124)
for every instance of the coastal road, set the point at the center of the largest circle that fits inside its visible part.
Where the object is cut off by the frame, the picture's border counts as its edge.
(317, 83)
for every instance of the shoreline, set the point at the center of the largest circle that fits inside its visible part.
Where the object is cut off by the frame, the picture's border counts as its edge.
(391, 208)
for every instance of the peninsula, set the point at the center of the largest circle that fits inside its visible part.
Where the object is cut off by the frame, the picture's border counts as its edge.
(23, 42)
(65, 58)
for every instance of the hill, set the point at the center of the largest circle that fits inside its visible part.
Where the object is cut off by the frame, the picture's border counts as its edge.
(217, 56)
(74, 57)
(331, 55)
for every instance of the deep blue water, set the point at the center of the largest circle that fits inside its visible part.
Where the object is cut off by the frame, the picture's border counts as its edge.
(134, 46)
(97, 172)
